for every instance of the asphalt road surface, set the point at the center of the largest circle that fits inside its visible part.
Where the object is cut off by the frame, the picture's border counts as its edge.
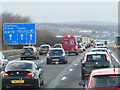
(63, 75)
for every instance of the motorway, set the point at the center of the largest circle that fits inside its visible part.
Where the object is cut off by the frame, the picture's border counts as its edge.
(63, 75)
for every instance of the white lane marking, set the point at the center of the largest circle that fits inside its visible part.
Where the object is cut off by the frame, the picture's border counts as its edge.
(70, 70)
(75, 64)
(78, 60)
(63, 78)
(42, 61)
(115, 59)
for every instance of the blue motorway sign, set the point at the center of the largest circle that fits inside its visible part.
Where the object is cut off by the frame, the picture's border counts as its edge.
(19, 33)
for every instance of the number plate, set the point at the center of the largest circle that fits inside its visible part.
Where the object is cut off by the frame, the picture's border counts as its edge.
(27, 53)
(44, 51)
(17, 81)
(55, 59)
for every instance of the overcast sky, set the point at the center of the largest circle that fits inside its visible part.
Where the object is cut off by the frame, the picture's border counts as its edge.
(64, 11)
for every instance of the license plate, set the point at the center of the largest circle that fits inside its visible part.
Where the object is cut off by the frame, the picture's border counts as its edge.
(17, 81)
(55, 59)
(44, 51)
(27, 53)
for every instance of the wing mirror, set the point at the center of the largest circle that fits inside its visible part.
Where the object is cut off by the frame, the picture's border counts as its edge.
(82, 83)
(81, 59)
(112, 59)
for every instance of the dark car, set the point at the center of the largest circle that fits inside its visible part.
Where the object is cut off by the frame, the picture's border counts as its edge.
(22, 74)
(58, 46)
(56, 55)
(29, 52)
(44, 49)
(95, 60)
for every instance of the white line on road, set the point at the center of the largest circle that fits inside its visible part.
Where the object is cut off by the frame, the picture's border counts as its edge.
(115, 59)
(75, 64)
(63, 78)
(70, 70)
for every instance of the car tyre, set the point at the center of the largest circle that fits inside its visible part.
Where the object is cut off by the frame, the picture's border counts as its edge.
(76, 53)
(22, 58)
(83, 75)
(38, 84)
(41, 81)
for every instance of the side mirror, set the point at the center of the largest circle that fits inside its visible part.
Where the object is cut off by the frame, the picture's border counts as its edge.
(82, 83)
(81, 60)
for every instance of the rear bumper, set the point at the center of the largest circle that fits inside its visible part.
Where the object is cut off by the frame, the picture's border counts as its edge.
(42, 52)
(28, 82)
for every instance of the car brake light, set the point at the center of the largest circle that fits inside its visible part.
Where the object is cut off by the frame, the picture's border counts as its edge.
(30, 74)
(88, 74)
(22, 51)
(107, 58)
(48, 55)
(76, 47)
(40, 49)
(63, 55)
(0, 62)
(85, 59)
(32, 52)
(48, 48)
(5, 75)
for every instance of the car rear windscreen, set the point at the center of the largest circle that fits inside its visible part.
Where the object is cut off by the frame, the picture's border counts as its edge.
(96, 57)
(27, 49)
(105, 81)
(102, 47)
(56, 52)
(19, 66)
(44, 46)
(57, 45)
(99, 44)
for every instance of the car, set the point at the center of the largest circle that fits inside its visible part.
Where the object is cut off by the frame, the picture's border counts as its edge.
(29, 52)
(56, 55)
(69, 44)
(3, 61)
(104, 47)
(94, 60)
(44, 49)
(82, 46)
(103, 78)
(22, 74)
(57, 46)
(99, 44)
(80, 49)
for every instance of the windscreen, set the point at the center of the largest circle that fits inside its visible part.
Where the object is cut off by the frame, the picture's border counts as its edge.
(107, 81)
(28, 49)
(58, 46)
(96, 57)
(19, 66)
(44, 46)
(56, 52)
(99, 44)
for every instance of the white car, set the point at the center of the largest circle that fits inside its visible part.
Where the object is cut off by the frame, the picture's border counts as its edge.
(82, 46)
(3, 60)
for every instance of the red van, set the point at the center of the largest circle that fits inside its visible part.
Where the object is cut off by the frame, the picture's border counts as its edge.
(69, 44)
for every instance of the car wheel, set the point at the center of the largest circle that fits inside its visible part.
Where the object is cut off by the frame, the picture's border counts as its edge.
(76, 53)
(83, 76)
(38, 84)
(41, 79)
(38, 57)
(64, 62)
(22, 58)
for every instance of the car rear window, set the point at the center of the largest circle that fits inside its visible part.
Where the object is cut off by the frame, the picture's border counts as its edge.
(19, 66)
(57, 45)
(102, 47)
(106, 81)
(27, 49)
(96, 57)
(56, 52)
(99, 51)
(99, 44)
(44, 46)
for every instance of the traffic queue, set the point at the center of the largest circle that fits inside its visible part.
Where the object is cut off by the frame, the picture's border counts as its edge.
(97, 65)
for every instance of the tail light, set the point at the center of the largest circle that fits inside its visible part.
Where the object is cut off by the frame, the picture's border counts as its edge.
(40, 49)
(30, 74)
(76, 47)
(48, 55)
(107, 58)
(88, 74)
(5, 75)
(32, 52)
(22, 51)
(0, 62)
(48, 48)
(85, 59)
(63, 55)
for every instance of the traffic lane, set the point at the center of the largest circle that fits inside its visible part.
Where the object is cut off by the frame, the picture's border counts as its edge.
(54, 73)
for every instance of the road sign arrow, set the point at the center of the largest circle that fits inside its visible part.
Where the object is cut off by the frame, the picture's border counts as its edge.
(30, 36)
(10, 36)
(21, 36)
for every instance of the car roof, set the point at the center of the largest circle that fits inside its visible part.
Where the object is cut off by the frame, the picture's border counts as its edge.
(106, 71)
(56, 49)
(58, 44)
(88, 53)
(24, 61)
(99, 48)
(45, 45)
(28, 47)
